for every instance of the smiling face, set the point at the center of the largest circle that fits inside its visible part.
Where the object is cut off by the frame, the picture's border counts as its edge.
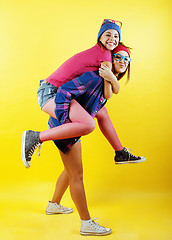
(110, 39)
(121, 65)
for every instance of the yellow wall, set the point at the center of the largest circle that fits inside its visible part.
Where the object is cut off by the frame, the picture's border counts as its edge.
(37, 36)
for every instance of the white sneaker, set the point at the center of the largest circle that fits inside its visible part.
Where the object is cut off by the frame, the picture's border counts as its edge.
(54, 208)
(90, 227)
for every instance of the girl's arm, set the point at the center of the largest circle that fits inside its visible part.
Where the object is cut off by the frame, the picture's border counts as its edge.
(111, 84)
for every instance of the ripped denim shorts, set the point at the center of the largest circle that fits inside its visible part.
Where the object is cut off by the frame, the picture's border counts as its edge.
(45, 92)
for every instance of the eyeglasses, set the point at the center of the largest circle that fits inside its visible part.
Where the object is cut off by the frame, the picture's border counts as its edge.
(105, 21)
(118, 57)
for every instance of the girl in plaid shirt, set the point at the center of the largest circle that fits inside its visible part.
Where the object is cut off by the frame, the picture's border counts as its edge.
(73, 169)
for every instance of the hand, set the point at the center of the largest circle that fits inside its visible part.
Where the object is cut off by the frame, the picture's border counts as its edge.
(107, 74)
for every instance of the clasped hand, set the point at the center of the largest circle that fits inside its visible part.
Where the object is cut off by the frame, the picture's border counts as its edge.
(107, 74)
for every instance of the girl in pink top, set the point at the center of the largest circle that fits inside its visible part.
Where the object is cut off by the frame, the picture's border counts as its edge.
(88, 60)
(91, 59)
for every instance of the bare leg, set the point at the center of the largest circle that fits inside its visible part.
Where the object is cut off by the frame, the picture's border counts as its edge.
(74, 154)
(61, 186)
(72, 161)
(82, 124)
(108, 129)
(49, 108)
(104, 122)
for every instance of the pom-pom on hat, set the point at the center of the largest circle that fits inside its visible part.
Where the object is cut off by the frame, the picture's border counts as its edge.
(121, 48)
(110, 24)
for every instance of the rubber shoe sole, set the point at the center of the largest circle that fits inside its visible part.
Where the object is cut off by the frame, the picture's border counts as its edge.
(132, 161)
(95, 233)
(52, 213)
(26, 163)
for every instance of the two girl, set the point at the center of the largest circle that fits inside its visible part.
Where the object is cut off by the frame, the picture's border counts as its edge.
(91, 92)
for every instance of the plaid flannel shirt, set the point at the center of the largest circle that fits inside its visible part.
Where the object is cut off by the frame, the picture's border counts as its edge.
(87, 90)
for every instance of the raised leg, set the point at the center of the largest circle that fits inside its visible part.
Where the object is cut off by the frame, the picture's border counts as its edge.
(108, 129)
(82, 124)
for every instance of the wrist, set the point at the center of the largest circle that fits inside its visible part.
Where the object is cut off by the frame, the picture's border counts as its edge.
(114, 80)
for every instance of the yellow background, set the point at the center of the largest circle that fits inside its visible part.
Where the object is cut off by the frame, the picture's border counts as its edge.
(36, 37)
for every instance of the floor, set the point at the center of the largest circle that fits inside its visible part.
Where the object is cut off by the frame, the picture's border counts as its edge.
(131, 215)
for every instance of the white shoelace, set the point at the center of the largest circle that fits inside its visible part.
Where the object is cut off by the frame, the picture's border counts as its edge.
(129, 149)
(97, 225)
(39, 146)
(62, 207)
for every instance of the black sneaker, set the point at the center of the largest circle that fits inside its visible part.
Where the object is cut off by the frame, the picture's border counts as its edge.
(30, 141)
(124, 156)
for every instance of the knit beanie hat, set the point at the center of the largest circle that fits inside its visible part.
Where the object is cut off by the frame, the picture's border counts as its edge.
(121, 48)
(109, 24)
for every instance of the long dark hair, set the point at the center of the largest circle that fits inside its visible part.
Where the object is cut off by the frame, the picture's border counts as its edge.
(101, 45)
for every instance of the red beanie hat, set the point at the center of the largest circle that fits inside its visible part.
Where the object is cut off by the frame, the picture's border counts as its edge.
(121, 48)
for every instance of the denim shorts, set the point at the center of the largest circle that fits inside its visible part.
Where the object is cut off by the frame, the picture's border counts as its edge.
(45, 92)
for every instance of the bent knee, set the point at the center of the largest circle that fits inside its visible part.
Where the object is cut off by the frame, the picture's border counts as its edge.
(90, 127)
